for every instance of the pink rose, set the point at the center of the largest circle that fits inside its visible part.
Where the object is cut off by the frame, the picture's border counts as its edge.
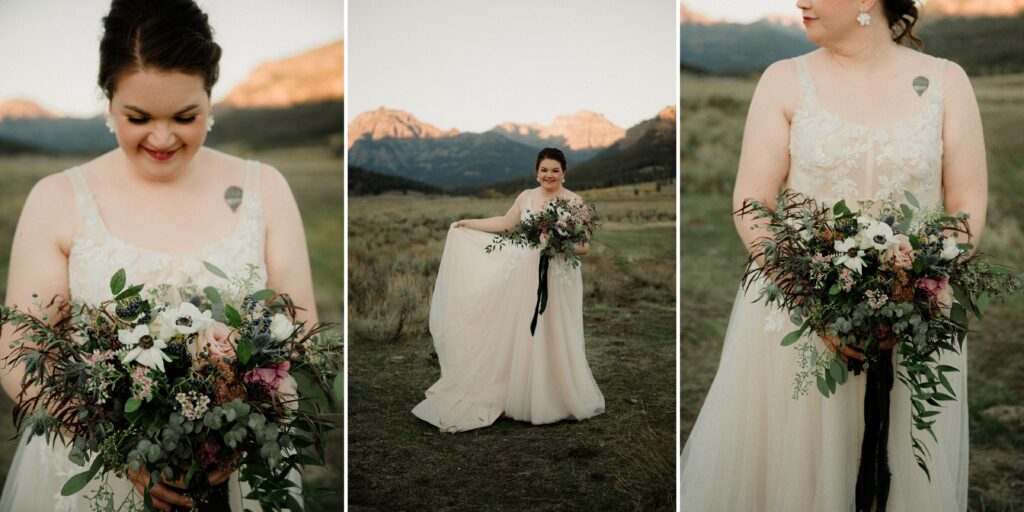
(931, 287)
(938, 291)
(900, 255)
(269, 376)
(219, 338)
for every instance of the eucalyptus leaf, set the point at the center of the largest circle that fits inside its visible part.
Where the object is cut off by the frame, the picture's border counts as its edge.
(263, 294)
(215, 270)
(912, 200)
(213, 295)
(79, 481)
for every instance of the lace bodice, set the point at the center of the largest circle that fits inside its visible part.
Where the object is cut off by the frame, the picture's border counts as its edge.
(96, 254)
(832, 158)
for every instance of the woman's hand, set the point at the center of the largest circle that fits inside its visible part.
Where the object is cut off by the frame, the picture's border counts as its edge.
(163, 497)
(463, 223)
(845, 351)
(163, 493)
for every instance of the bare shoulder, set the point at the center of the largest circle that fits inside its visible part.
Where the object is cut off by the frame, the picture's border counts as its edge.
(50, 208)
(956, 82)
(779, 85)
(275, 193)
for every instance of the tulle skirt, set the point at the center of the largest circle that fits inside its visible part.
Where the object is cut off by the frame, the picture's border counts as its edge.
(491, 365)
(755, 448)
(39, 471)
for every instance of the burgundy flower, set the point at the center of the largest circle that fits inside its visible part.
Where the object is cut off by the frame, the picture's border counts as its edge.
(269, 376)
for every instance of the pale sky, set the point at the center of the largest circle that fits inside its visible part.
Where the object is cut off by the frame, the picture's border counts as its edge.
(743, 11)
(471, 64)
(49, 49)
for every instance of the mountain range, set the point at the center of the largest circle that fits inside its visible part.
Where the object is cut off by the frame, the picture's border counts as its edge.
(291, 102)
(983, 36)
(502, 158)
(396, 142)
(646, 153)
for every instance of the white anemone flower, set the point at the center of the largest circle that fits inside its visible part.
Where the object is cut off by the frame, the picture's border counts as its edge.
(186, 319)
(849, 255)
(281, 328)
(146, 350)
(865, 222)
(949, 248)
(878, 236)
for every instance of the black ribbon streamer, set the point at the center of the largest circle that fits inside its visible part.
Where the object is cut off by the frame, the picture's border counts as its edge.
(873, 473)
(542, 293)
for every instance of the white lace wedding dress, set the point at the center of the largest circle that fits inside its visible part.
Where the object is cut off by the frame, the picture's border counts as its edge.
(753, 447)
(490, 363)
(39, 470)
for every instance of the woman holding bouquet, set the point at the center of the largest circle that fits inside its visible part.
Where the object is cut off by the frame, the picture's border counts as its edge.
(862, 118)
(492, 361)
(158, 206)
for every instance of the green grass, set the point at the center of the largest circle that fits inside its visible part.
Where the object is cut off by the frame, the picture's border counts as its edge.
(621, 460)
(315, 178)
(712, 259)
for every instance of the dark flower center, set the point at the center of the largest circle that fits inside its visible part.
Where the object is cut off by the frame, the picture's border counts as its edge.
(184, 321)
(146, 341)
(852, 252)
(879, 239)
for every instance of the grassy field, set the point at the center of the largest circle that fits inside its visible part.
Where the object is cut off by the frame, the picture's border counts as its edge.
(316, 180)
(621, 460)
(712, 259)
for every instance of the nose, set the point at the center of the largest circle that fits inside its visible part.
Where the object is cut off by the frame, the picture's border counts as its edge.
(161, 138)
(803, 5)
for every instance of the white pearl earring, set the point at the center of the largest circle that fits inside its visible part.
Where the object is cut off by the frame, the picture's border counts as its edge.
(110, 123)
(864, 19)
(209, 123)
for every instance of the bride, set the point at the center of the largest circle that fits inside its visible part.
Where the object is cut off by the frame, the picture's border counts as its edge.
(863, 117)
(480, 320)
(155, 206)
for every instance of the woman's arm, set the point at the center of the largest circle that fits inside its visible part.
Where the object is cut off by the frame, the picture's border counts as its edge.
(287, 256)
(964, 171)
(764, 157)
(496, 224)
(38, 269)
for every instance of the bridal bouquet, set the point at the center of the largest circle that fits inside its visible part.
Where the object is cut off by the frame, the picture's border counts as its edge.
(894, 280)
(179, 390)
(556, 229)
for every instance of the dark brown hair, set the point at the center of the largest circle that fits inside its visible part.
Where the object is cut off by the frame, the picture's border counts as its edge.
(168, 35)
(551, 154)
(902, 16)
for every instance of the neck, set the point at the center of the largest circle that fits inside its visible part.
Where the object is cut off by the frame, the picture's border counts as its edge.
(552, 193)
(866, 47)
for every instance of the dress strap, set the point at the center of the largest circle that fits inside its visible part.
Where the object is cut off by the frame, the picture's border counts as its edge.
(807, 93)
(85, 204)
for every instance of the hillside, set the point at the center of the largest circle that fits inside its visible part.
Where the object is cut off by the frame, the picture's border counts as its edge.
(362, 182)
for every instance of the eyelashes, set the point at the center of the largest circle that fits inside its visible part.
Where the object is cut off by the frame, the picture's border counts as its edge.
(144, 120)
